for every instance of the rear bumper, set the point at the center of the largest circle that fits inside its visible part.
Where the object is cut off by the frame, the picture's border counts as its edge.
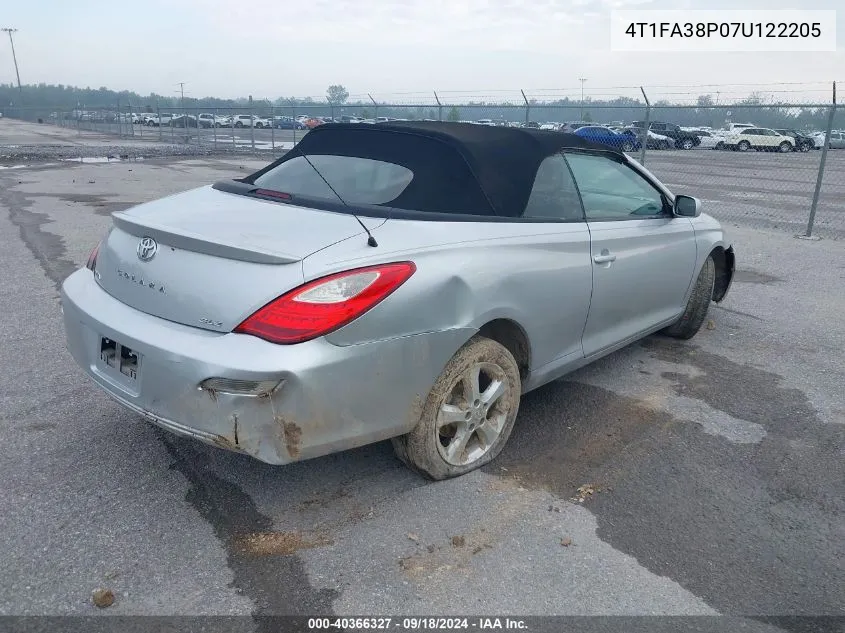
(330, 398)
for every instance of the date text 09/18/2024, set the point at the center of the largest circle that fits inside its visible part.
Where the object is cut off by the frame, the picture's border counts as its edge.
(416, 624)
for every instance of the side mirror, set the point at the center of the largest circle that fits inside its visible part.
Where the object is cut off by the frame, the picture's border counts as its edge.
(687, 206)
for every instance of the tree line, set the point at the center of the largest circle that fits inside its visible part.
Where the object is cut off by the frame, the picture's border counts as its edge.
(42, 100)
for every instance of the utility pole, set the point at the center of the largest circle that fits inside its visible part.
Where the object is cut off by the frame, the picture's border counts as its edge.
(582, 80)
(182, 91)
(14, 58)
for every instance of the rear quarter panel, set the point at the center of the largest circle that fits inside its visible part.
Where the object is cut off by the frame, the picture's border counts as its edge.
(469, 273)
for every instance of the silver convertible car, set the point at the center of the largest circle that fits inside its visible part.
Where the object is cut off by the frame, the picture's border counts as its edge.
(405, 281)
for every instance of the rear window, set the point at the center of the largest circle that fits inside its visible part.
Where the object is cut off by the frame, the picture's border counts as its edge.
(356, 180)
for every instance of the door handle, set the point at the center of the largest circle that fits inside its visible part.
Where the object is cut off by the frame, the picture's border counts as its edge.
(604, 258)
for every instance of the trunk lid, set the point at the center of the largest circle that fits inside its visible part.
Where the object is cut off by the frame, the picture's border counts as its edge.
(216, 256)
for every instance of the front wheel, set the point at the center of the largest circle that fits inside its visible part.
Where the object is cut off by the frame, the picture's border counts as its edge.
(627, 146)
(785, 147)
(805, 147)
(468, 415)
(744, 146)
(687, 144)
(699, 302)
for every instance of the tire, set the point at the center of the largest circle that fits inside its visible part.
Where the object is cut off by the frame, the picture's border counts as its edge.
(664, 145)
(693, 317)
(720, 145)
(239, 124)
(423, 449)
(627, 146)
(804, 147)
(687, 143)
(743, 146)
(785, 147)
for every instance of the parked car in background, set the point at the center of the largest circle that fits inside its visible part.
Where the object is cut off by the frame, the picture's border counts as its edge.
(759, 139)
(275, 322)
(680, 137)
(836, 140)
(571, 126)
(184, 121)
(626, 141)
(243, 120)
(737, 127)
(801, 142)
(312, 122)
(287, 123)
(206, 120)
(655, 141)
(710, 139)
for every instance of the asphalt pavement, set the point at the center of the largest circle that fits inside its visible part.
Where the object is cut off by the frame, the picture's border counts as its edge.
(670, 478)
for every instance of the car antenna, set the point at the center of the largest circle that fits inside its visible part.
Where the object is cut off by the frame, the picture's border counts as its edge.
(371, 241)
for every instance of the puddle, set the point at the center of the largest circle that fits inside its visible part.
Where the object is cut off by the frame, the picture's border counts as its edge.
(244, 143)
(92, 159)
(2, 167)
(102, 159)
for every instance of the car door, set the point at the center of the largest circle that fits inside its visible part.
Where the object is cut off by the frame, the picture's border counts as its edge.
(770, 138)
(643, 256)
(564, 245)
(837, 140)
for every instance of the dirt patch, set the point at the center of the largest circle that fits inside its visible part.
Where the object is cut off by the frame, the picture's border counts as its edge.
(279, 543)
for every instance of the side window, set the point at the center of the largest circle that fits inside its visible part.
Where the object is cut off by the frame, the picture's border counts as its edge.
(658, 127)
(554, 194)
(613, 191)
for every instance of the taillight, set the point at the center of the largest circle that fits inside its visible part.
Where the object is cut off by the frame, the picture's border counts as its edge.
(326, 304)
(92, 258)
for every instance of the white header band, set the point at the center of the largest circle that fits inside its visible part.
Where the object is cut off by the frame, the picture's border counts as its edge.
(710, 31)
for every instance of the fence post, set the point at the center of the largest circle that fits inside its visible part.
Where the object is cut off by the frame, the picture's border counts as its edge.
(527, 106)
(814, 205)
(439, 106)
(272, 128)
(252, 123)
(158, 119)
(214, 126)
(644, 140)
(375, 106)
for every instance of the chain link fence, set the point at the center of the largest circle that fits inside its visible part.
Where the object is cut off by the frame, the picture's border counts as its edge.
(765, 164)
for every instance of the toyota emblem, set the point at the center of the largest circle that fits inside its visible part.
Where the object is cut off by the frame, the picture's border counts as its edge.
(147, 249)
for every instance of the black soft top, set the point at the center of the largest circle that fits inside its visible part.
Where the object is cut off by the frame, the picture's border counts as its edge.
(458, 167)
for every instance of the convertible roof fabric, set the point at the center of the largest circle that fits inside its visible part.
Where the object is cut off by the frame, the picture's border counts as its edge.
(458, 167)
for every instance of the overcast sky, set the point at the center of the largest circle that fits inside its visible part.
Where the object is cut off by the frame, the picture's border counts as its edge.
(389, 48)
